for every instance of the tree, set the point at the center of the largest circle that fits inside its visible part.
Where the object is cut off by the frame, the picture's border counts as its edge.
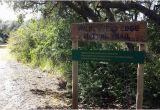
(6, 27)
(106, 83)
(21, 18)
(99, 10)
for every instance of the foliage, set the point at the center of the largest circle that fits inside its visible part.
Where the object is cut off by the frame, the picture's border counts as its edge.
(42, 43)
(152, 71)
(5, 28)
(46, 43)
(152, 82)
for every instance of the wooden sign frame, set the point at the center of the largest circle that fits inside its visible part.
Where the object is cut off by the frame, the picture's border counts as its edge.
(113, 31)
(139, 38)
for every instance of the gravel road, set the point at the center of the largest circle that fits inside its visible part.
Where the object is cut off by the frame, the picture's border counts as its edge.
(24, 88)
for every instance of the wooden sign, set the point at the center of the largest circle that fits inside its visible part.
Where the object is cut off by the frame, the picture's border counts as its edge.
(133, 32)
(112, 31)
(108, 56)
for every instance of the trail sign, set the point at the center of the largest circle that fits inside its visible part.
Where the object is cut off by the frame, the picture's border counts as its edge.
(133, 32)
(112, 31)
(108, 56)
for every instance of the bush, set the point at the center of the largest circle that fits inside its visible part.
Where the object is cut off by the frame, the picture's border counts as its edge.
(47, 44)
(42, 43)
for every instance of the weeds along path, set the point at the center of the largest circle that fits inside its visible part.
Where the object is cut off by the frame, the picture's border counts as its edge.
(24, 88)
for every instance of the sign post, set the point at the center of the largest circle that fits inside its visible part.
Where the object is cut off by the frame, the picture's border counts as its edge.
(74, 72)
(140, 82)
(75, 79)
(132, 32)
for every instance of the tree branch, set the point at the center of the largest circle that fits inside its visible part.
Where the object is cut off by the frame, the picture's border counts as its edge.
(83, 10)
(108, 12)
(133, 5)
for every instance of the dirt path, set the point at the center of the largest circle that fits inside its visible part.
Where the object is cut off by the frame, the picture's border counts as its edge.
(23, 88)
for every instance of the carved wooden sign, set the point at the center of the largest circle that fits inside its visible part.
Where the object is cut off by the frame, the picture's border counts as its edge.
(112, 31)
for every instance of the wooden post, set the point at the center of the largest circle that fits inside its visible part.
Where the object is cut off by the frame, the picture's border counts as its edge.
(74, 78)
(140, 77)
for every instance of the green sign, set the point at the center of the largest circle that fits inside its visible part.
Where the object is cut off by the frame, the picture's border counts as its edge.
(108, 56)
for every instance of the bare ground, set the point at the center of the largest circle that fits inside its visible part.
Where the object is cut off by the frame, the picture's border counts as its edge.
(23, 88)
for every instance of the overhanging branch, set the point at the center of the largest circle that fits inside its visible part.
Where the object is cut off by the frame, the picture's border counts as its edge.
(133, 5)
(83, 10)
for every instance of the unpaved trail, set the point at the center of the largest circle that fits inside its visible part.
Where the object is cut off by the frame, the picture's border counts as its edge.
(23, 88)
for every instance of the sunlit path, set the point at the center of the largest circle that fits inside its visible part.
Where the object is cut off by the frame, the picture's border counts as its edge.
(24, 88)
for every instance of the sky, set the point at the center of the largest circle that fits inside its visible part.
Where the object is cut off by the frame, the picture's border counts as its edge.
(7, 13)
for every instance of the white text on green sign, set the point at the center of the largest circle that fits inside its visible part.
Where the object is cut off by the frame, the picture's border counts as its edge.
(108, 56)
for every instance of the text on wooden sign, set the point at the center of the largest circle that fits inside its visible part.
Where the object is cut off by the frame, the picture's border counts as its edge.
(113, 31)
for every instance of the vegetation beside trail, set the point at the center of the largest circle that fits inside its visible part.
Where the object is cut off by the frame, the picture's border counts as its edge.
(42, 43)
(46, 43)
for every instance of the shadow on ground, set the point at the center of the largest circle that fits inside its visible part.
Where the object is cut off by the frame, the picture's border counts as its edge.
(25, 88)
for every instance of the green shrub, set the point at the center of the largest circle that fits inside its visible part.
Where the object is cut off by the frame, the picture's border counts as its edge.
(41, 43)
(47, 44)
